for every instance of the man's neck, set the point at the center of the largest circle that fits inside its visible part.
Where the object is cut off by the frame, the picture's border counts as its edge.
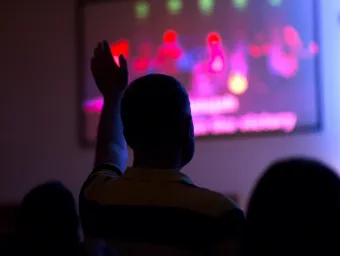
(156, 161)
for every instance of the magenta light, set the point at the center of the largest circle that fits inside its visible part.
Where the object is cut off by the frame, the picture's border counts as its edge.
(199, 106)
(214, 105)
(217, 124)
(263, 122)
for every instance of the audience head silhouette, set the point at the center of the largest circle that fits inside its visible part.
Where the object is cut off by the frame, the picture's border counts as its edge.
(48, 222)
(157, 122)
(294, 210)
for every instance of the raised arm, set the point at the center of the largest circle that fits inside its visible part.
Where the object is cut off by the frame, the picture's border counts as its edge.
(111, 81)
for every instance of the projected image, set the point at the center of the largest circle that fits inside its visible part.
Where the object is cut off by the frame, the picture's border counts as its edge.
(249, 66)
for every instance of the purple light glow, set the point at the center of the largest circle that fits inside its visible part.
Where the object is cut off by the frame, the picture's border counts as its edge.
(263, 122)
(217, 124)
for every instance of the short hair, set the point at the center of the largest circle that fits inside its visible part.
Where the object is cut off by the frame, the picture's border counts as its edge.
(153, 110)
(48, 214)
(294, 209)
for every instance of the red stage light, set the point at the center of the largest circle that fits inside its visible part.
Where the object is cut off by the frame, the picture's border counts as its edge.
(255, 51)
(170, 36)
(121, 47)
(213, 38)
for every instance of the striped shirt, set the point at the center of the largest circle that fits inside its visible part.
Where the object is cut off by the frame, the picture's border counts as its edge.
(156, 212)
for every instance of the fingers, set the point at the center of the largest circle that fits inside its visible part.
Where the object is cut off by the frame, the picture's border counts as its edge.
(98, 50)
(106, 47)
(103, 52)
(123, 62)
(101, 49)
(116, 60)
(107, 52)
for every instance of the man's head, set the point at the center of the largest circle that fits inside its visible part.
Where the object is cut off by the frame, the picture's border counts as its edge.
(294, 209)
(48, 219)
(157, 119)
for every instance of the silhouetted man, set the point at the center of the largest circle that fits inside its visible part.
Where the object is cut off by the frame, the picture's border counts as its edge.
(151, 208)
(48, 222)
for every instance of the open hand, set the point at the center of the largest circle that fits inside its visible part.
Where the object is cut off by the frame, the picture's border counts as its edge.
(111, 78)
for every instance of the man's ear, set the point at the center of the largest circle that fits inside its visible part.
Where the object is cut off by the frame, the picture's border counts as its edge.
(187, 129)
(188, 140)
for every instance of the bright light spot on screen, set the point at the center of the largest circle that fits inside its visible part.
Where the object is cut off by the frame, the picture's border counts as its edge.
(237, 83)
(214, 105)
(206, 6)
(170, 36)
(240, 4)
(213, 38)
(282, 64)
(217, 64)
(275, 2)
(142, 10)
(292, 37)
(255, 51)
(313, 48)
(175, 6)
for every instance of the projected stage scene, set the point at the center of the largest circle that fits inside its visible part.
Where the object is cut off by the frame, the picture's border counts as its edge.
(248, 66)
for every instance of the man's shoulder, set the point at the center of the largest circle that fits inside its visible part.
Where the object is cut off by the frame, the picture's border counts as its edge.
(228, 216)
(215, 194)
(216, 203)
